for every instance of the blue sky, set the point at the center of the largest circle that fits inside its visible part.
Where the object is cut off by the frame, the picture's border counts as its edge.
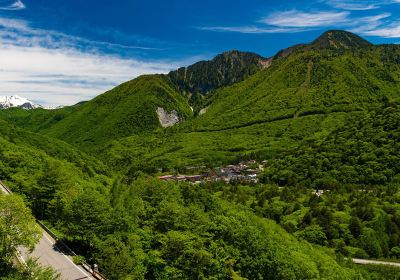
(59, 52)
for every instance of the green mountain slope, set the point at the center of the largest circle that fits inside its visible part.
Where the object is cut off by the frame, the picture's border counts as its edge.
(128, 109)
(37, 119)
(363, 151)
(307, 82)
(172, 148)
(40, 167)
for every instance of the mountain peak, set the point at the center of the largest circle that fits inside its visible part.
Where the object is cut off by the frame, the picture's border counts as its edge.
(16, 101)
(339, 39)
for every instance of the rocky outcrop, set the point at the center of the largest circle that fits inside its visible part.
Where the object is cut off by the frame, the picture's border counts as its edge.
(167, 119)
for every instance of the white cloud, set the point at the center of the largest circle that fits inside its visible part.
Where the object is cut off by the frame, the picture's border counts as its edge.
(381, 24)
(12, 6)
(357, 5)
(378, 26)
(251, 29)
(363, 24)
(390, 31)
(295, 18)
(354, 5)
(56, 69)
(292, 21)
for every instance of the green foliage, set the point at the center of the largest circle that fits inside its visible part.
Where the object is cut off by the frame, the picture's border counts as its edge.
(363, 151)
(379, 272)
(79, 260)
(17, 227)
(313, 234)
(189, 232)
(30, 271)
(360, 223)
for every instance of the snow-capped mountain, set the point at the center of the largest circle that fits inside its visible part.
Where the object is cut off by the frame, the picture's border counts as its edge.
(17, 101)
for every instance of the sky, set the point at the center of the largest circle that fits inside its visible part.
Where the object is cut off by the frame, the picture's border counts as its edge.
(60, 52)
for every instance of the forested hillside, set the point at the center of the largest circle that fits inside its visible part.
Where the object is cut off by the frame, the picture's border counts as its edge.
(48, 172)
(125, 110)
(142, 224)
(307, 83)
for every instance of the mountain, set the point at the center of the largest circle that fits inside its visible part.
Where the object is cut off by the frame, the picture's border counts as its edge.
(141, 105)
(223, 70)
(338, 40)
(16, 101)
(307, 82)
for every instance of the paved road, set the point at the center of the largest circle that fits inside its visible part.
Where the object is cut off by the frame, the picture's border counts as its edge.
(49, 255)
(362, 261)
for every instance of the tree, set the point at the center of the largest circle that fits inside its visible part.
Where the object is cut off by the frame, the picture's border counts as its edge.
(370, 243)
(355, 226)
(17, 227)
(119, 259)
(91, 214)
(33, 271)
(314, 234)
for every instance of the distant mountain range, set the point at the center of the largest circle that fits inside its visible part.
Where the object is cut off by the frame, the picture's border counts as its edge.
(7, 102)
(17, 101)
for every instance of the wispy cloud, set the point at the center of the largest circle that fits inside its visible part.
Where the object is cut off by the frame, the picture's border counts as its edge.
(354, 5)
(357, 5)
(295, 18)
(292, 21)
(12, 5)
(251, 29)
(61, 69)
(389, 31)
(382, 24)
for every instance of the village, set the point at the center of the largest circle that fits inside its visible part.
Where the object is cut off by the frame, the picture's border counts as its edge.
(246, 172)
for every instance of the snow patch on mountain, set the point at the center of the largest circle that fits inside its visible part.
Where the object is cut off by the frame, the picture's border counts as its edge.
(167, 119)
(17, 101)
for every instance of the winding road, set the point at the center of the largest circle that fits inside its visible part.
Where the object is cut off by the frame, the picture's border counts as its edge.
(48, 254)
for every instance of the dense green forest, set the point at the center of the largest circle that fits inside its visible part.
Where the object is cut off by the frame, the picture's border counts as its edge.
(324, 115)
